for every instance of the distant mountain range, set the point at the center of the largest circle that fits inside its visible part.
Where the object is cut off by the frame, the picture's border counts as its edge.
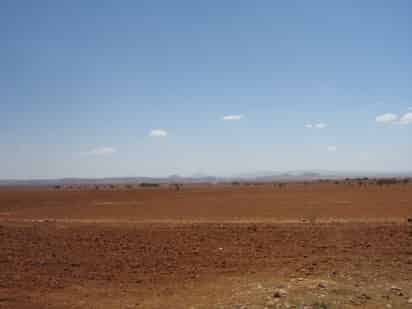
(261, 176)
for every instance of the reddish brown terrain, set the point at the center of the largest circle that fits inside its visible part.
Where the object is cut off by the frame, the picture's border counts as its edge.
(315, 245)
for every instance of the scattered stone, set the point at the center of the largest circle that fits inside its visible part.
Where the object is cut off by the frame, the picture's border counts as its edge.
(388, 306)
(361, 299)
(322, 285)
(410, 301)
(280, 293)
(396, 290)
(365, 296)
(271, 304)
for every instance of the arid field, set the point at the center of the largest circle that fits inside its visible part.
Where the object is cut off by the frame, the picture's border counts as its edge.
(297, 245)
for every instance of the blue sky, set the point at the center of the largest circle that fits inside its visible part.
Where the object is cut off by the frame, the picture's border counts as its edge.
(302, 84)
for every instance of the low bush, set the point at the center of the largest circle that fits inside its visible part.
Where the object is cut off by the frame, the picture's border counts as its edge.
(149, 185)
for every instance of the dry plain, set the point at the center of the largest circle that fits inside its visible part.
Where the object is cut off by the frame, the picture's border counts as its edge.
(301, 245)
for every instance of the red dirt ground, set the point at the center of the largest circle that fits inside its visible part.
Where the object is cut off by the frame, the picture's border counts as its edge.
(206, 247)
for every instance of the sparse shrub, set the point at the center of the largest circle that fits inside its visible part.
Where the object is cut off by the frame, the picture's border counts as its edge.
(320, 305)
(235, 183)
(386, 181)
(57, 187)
(149, 185)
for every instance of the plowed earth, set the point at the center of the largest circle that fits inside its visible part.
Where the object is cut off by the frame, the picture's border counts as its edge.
(339, 246)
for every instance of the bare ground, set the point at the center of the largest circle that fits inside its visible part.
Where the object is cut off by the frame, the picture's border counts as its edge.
(316, 245)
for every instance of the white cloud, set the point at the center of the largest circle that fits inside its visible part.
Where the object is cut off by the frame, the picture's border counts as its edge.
(332, 148)
(406, 119)
(321, 125)
(158, 133)
(102, 151)
(386, 118)
(232, 117)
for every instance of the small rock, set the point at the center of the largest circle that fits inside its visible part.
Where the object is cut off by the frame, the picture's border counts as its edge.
(322, 285)
(410, 301)
(394, 288)
(271, 304)
(355, 301)
(280, 293)
(365, 296)
(388, 306)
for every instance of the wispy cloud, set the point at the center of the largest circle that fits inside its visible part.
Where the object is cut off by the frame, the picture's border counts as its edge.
(101, 151)
(319, 125)
(332, 148)
(233, 117)
(406, 119)
(158, 133)
(386, 118)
